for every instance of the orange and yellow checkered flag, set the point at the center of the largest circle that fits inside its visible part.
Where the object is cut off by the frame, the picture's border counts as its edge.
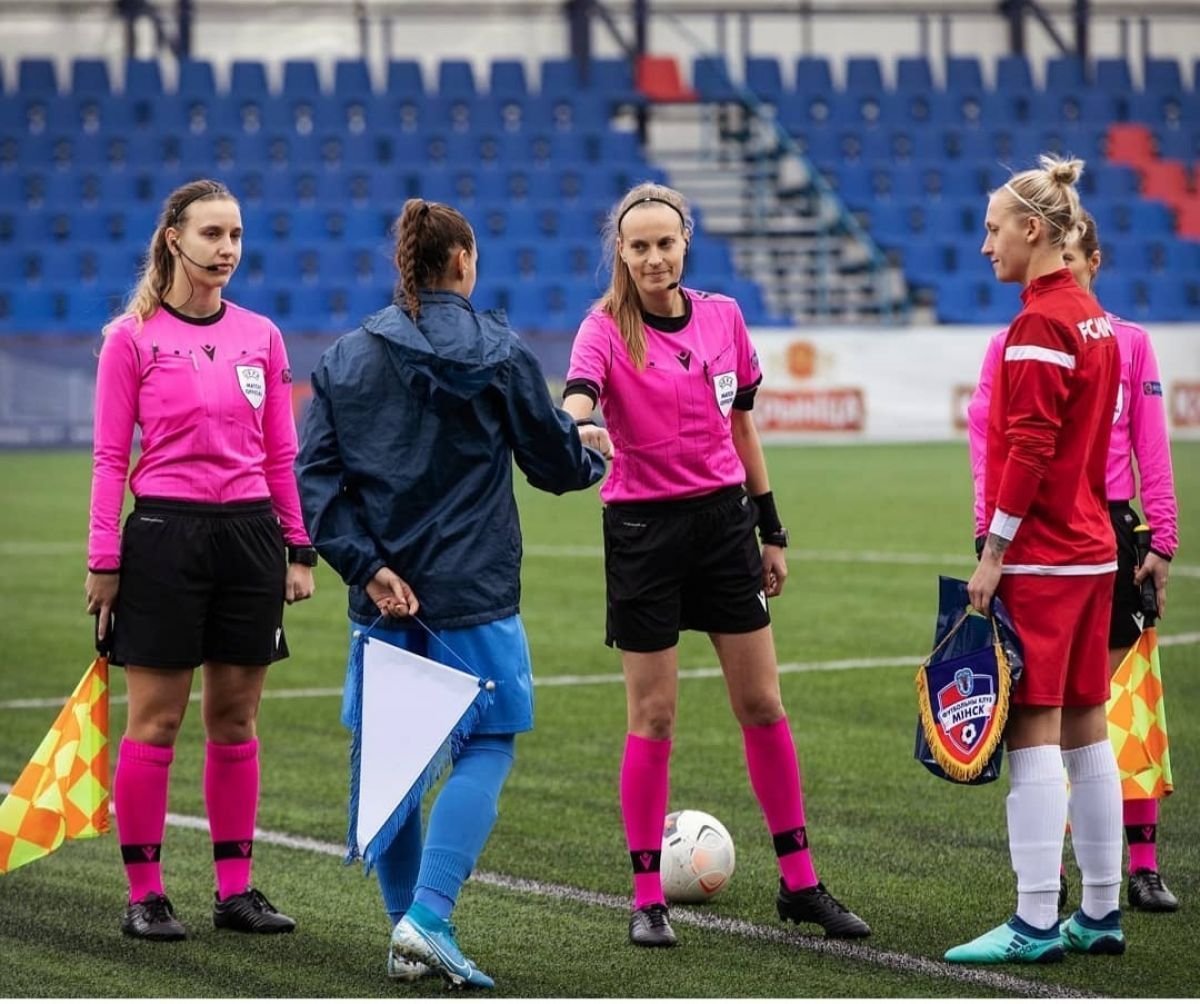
(63, 793)
(1137, 722)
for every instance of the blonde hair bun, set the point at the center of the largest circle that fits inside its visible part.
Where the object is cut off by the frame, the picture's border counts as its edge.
(1064, 172)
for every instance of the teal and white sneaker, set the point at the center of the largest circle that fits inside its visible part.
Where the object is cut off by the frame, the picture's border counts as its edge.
(1012, 941)
(422, 936)
(1081, 933)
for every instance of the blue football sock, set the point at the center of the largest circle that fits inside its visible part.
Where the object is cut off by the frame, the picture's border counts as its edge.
(462, 819)
(435, 902)
(398, 866)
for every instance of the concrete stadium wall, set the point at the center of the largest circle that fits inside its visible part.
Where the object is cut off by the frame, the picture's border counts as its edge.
(435, 29)
(865, 385)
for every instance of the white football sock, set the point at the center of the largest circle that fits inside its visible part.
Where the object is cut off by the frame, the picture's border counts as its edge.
(1095, 810)
(1037, 816)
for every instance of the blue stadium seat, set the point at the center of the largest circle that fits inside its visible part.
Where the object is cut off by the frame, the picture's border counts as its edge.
(196, 80)
(913, 75)
(352, 79)
(612, 78)
(36, 76)
(301, 79)
(248, 79)
(88, 309)
(1162, 77)
(710, 78)
(1156, 109)
(363, 226)
(962, 181)
(927, 261)
(1065, 73)
(1013, 75)
(456, 80)
(559, 77)
(363, 300)
(709, 255)
(37, 311)
(1167, 299)
(404, 78)
(487, 295)
(143, 78)
(1178, 144)
(813, 75)
(1181, 258)
(507, 80)
(90, 76)
(1109, 180)
(1113, 77)
(963, 75)
(764, 78)
(863, 75)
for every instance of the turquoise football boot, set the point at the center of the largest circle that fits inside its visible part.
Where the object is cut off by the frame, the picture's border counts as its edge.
(1080, 933)
(422, 936)
(1012, 941)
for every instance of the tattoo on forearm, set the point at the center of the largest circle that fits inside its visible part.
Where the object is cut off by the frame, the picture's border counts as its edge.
(997, 544)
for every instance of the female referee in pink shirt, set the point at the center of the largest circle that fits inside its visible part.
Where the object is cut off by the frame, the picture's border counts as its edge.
(1139, 430)
(675, 376)
(214, 546)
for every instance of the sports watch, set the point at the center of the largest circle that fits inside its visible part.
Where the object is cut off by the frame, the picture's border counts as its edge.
(776, 538)
(302, 555)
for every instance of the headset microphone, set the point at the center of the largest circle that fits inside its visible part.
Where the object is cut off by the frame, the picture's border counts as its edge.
(207, 268)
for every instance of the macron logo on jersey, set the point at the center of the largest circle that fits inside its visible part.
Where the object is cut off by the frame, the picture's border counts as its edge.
(1095, 328)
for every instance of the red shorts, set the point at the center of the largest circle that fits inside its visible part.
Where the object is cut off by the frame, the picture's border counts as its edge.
(1062, 621)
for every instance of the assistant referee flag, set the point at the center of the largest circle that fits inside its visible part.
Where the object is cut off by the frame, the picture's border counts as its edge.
(63, 793)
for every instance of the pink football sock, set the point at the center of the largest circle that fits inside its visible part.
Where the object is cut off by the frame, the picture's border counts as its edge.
(140, 800)
(1141, 832)
(231, 795)
(775, 778)
(645, 779)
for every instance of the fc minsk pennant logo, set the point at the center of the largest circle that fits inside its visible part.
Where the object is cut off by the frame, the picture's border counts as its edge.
(964, 711)
(962, 703)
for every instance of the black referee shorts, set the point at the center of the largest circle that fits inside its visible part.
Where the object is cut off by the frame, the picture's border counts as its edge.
(687, 564)
(200, 583)
(1126, 623)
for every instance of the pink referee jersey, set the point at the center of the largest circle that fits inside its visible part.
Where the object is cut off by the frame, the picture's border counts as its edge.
(670, 423)
(214, 403)
(1139, 430)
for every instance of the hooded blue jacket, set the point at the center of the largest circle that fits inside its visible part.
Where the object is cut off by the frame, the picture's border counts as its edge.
(406, 457)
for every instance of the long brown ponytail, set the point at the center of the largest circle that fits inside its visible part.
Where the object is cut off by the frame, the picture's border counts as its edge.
(426, 235)
(159, 271)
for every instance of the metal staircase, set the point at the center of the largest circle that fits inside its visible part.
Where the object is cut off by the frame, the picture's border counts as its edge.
(787, 231)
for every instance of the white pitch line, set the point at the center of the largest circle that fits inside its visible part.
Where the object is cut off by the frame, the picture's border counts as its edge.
(38, 549)
(849, 950)
(592, 679)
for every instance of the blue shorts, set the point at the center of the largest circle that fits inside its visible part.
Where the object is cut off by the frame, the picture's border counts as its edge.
(497, 651)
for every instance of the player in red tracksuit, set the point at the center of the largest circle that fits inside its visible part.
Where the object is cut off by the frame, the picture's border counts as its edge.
(1050, 555)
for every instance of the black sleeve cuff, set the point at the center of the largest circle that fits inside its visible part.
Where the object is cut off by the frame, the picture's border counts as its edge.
(1161, 554)
(744, 401)
(117, 571)
(582, 387)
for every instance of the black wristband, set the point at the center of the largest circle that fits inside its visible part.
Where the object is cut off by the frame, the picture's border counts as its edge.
(581, 422)
(768, 516)
(979, 542)
(302, 556)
